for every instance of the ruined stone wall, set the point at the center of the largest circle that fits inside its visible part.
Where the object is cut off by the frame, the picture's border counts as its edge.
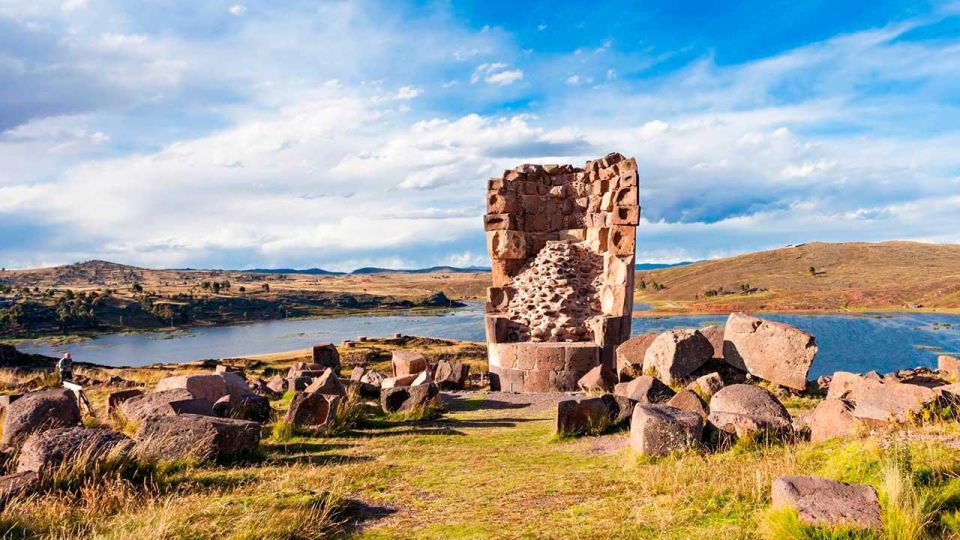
(561, 240)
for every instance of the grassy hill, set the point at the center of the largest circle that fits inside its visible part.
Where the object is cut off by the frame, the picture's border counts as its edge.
(815, 276)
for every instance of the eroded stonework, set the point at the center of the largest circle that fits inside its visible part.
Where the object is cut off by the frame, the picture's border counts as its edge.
(562, 243)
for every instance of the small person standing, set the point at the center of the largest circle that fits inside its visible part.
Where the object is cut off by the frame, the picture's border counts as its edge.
(65, 368)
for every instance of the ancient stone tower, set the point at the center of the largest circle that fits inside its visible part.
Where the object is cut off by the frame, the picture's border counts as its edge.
(562, 242)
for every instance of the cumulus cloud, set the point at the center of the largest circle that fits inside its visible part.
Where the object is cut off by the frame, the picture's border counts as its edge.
(496, 73)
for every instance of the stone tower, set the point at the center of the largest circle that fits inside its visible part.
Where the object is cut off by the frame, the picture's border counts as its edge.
(562, 244)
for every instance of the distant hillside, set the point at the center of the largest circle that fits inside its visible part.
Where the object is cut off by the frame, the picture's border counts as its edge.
(815, 276)
(432, 269)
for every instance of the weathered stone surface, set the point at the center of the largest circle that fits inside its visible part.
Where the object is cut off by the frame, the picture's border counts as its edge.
(598, 379)
(742, 409)
(237, 386)
(210, 387)
(772, 351)
(116, 398)
(137, 408)
(406, 398)
(949, 366)
(408, 363)
(630, 355)
(195, 436)
(644, 389)
(327, 356)
(709, 384)
(328, 384)
(249, 407)
(39, 411)
(451, 375)
(830, 419)
(714, 335)
(879, 402)
(372, 377)
(688, 400)
(278, 384)
(396, 382)
(585, 415)
(70, 446)
(657, 430)
(309, 409)
(17, 485)
(675, 354)
(824, 502)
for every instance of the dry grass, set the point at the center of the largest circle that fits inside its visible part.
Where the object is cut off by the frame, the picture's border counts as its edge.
(850, 276)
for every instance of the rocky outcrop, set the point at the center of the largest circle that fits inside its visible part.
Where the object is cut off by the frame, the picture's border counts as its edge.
(630, 355)
(676, 354)
(772, 351)
(72, 447)
(598, 379)
(451, 375)
(824, 502)
(137, 408)
(657, 430)
(408, 398)
(878, 401)
(644, 389)
(187, 436)
(949, 366)
(831, 418)
(39, 411)
(742, 409)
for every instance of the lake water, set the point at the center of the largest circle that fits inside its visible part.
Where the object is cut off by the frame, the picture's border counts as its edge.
(884, 342)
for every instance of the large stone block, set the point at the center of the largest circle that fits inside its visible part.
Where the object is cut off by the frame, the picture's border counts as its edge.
(507, 244)
(676, 354)
(773, 351)
(408, 363)
(657, 430)
(39, 411)
(822, 502)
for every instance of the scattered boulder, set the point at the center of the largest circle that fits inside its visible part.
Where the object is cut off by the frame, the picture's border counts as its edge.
(599, 379)
(408, 363)
(584, 415)
(305, 370)
(7, 399)
(709, 384)
(630, 355)
(299, 384)
(137, 408)
(278, 384)
(824, 502)
(831, 418)
(407, 398)
(71, 446)
(688, 400)
(742, 409)
(372, 377)
(356, 374)
(772, 351)
(451, 375)
(676, 354)
(714, 335)
(194, 436)
(949, 366)
(657, 430)
(39, 411)
(237, 386)
(327, 384)
(308, 409)
(644, 389)
(210, 387)
(260, 388)
(249, 407)
(327, 356)
(116, 398)
(880, 402)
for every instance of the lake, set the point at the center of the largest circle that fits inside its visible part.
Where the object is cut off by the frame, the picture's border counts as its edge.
(851, 342)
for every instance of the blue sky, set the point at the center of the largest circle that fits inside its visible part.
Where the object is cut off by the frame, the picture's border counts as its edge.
(346, 134)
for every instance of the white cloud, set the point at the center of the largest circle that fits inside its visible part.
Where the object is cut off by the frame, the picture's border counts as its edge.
(408, 92)
(573, 79)
(496, 73)
(237, 9)
(73, 5)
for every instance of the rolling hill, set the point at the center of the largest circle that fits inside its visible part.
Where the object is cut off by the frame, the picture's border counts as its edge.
(812, 277)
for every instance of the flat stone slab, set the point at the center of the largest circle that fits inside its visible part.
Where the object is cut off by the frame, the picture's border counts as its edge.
(824, 502)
